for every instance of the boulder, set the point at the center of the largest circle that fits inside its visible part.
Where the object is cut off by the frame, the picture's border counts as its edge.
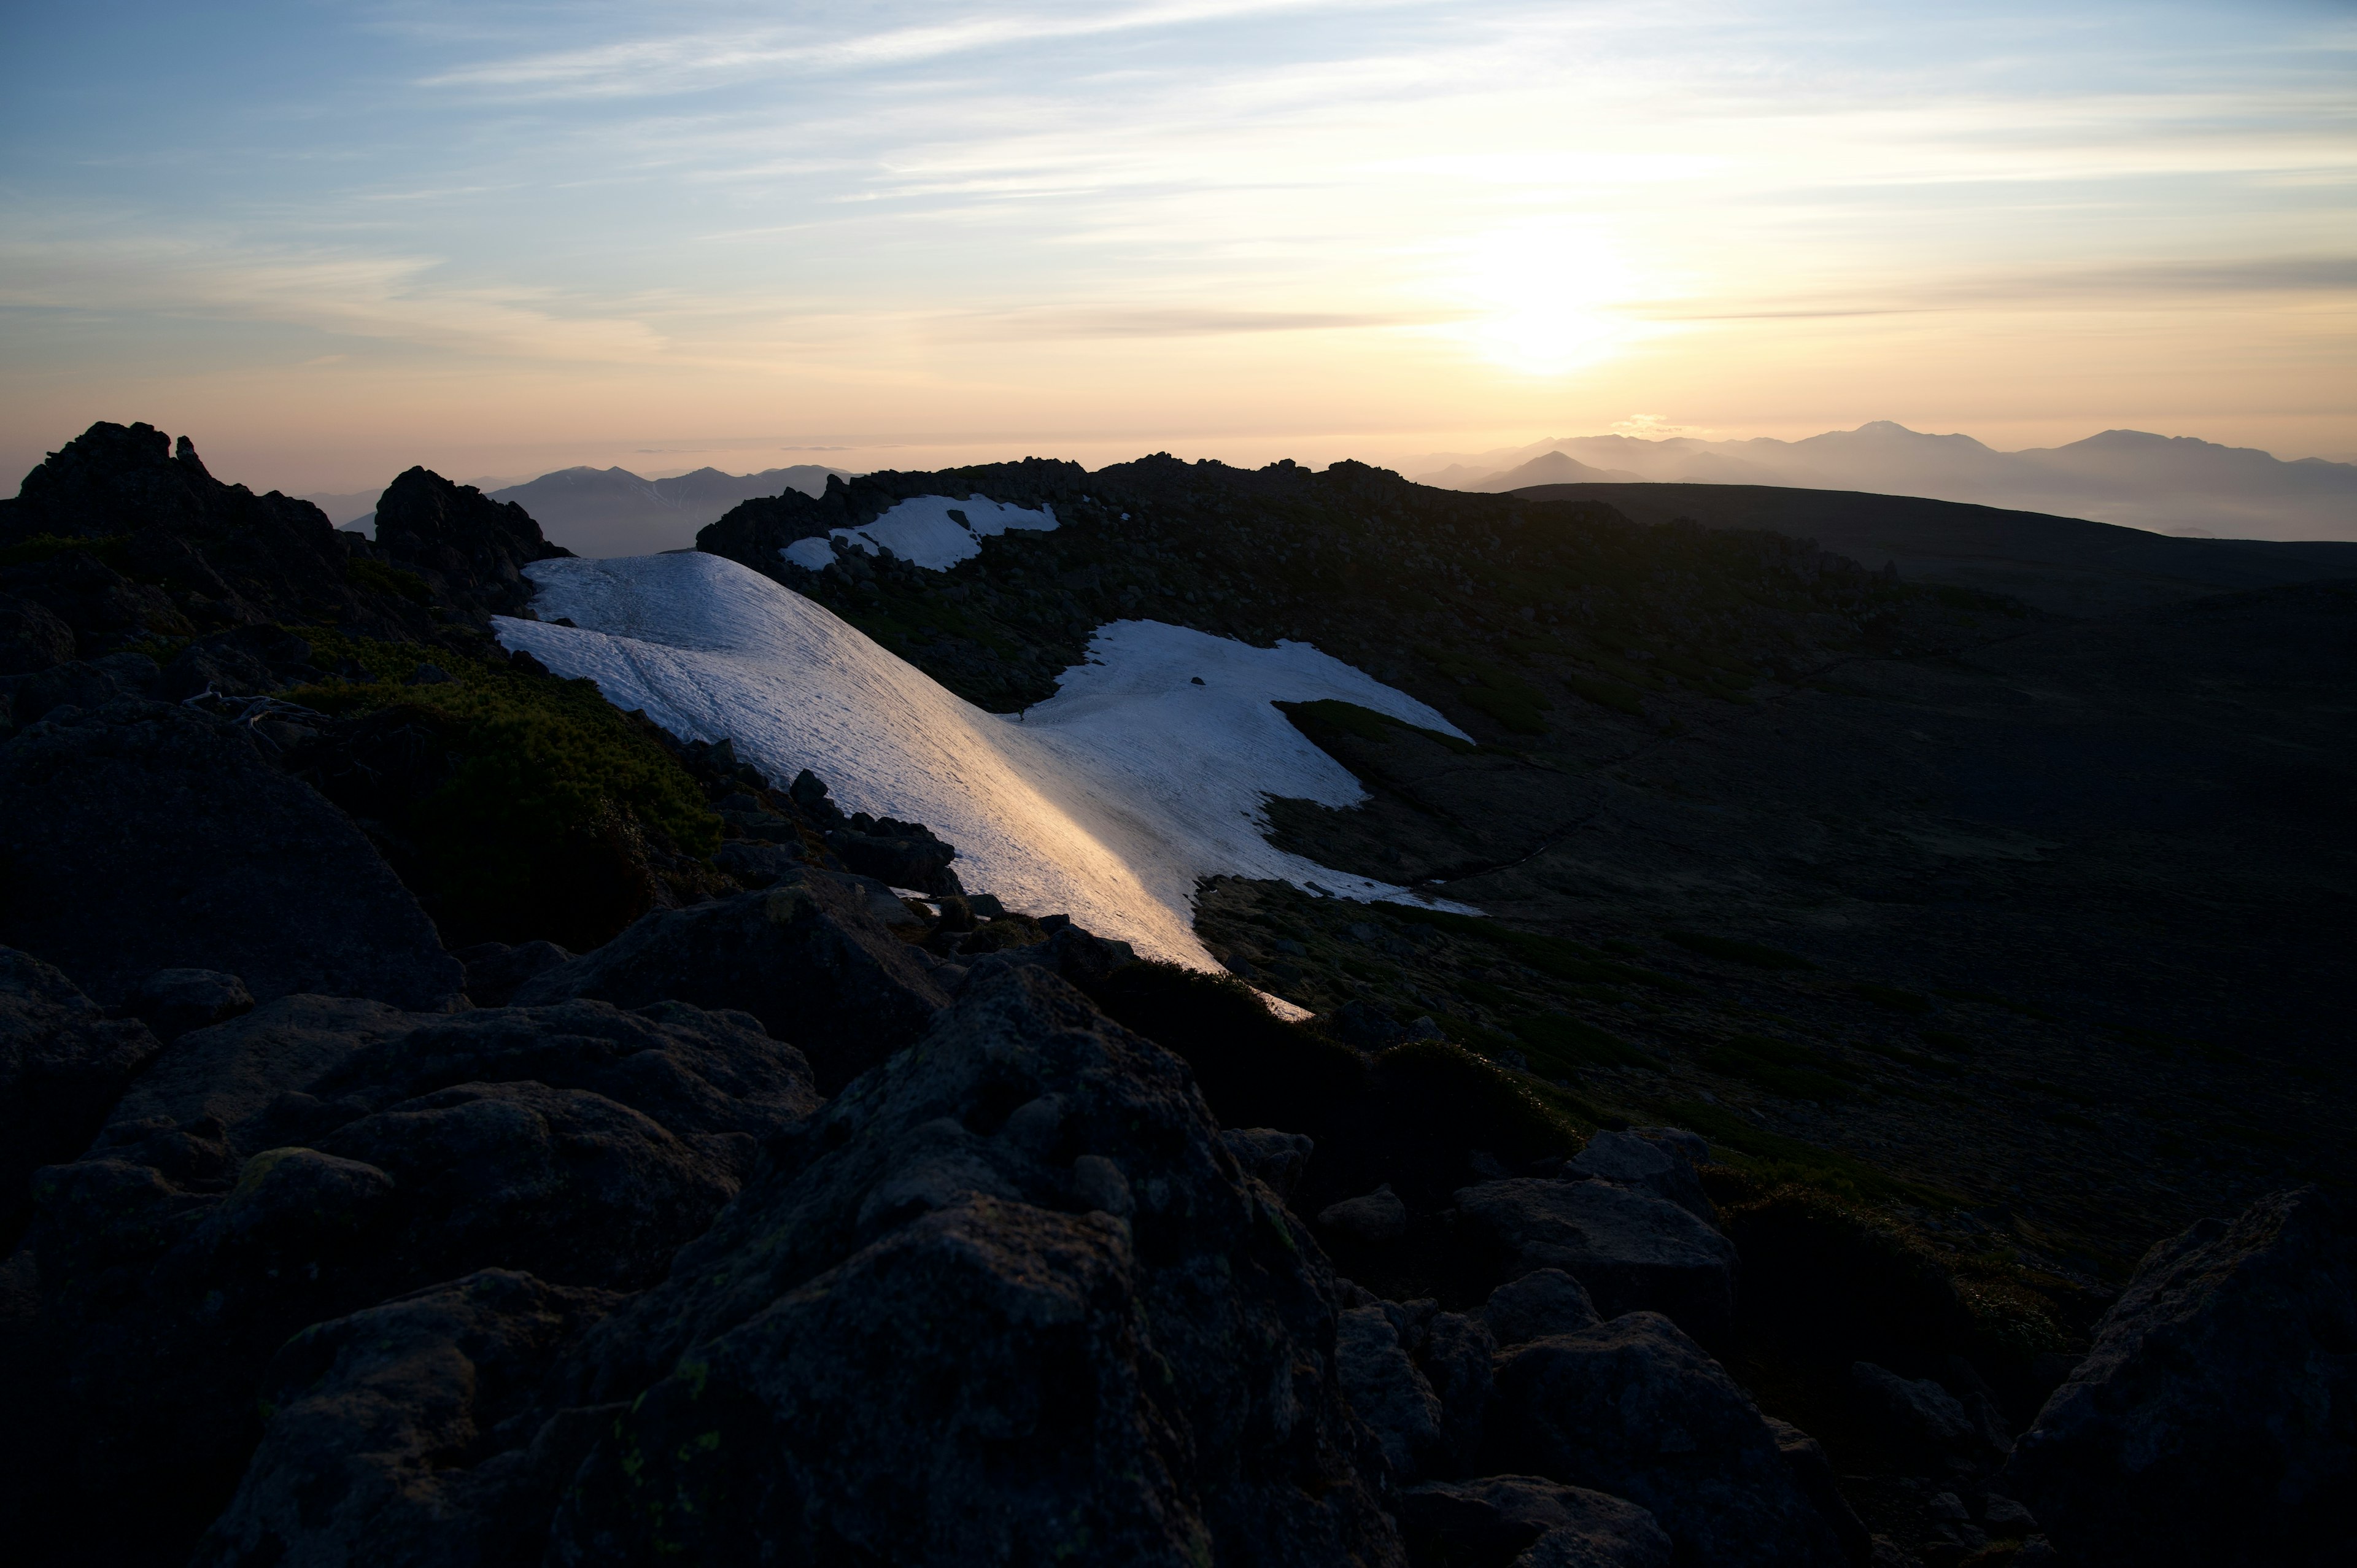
(922, 1334)
(63, 1064)
(365, 1457)
(1456, 1359)
(1522, 1521)
(495, 970)
(149, 837)
(1812, 1472)
(1634, 1407)
(319, 1156)
(174, 1001)
(1631, 1248)
(1375, 1219)
(1275, 1157)
(1648, 1159)
(806, 959)
(903, 861)
(758, 865)
(31, 637)
(1389, 1393)
(2215, 1419)
(1925, 1425)
(1543, 1302)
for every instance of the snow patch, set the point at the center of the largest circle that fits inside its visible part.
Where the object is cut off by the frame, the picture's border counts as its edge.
(935, 531)
(1108, 801)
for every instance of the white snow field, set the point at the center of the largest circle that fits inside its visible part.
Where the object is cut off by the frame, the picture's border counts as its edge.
(921, 529)
(1109, 801)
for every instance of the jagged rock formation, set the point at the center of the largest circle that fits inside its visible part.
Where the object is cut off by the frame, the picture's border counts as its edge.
(469, 549)
(2215, 1421)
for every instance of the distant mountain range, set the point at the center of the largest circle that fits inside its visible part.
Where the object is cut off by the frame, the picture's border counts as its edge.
(2161, 483)
(612, 511)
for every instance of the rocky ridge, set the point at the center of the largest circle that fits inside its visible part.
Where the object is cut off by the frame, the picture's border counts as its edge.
(821, 1209)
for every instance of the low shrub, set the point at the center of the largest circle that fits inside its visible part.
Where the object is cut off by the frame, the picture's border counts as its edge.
(1736, 951)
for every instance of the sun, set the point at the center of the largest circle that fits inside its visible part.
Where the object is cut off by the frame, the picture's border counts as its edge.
(1544, 298)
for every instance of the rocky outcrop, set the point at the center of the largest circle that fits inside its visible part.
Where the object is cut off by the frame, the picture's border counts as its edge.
(469, 549)
(1631, 1248)
(1661, 1160)
(376, 1416)
(1634, 1407)
(2215, 1420)
(1007, 1297)
(63, 1063)
(1522, 1521)
(146, 837)
(806, 958)
(320, 1156)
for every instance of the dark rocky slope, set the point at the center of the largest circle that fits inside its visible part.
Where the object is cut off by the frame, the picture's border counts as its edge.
(570, 1261)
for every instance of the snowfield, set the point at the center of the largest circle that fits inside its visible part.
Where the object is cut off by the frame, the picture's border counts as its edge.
(1109, 801)
(926, 530)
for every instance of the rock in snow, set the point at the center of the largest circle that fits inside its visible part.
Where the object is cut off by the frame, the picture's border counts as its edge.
(1109, 801)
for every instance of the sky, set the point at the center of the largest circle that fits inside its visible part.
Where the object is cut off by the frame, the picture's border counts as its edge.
(328, 241)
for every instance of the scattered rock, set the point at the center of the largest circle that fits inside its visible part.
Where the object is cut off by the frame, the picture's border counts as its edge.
(1522, 1521)
(1924, 1422)
(494, 970)
(150, 837)
(1813, 1474)
(1543, 1302)
(374, 1417)
(1631, 1248)
(807, 958)
(758, 865)
(1376, 1219)
(2215, 1420)
(1634, 1407)
(31, 637)
(322, 1154)
(910, 1342)
(1642, 1159)
(1389, 1393)
(1275, 1157)
(174, 1001)
(63, 1063)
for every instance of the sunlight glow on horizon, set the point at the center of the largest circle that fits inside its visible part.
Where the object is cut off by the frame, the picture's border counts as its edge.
(331, 241)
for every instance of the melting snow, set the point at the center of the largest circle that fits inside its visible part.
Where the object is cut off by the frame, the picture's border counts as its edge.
(926, 530)
(1110, 801)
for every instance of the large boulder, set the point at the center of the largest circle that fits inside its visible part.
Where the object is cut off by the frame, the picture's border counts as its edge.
(1633, 1248)
(1661, 1160)
(146, 837)
(1633, 1407)
(366, 1459)
(2215, 1420)
(805, 957)
(63, 1064)
(1522, 1521)
(319, 1156)
(1389, 1392)
(1007, 1298)
(31, 636)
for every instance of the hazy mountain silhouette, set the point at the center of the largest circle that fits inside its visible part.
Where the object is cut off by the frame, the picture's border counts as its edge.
(612, 511)
(2165, 484)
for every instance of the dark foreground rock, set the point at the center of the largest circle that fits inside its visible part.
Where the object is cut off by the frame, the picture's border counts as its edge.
(1522, 1521)
(1008, 1299)
(63, 1064)
(374, 1416)
(806, 958)
(2215, 1420)
(146, 837)
(322, 1154)
(1632, 1248)
(1634, 1407)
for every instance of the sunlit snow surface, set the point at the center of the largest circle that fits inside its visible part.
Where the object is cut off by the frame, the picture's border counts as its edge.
(920, 530)
(1108, 801)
